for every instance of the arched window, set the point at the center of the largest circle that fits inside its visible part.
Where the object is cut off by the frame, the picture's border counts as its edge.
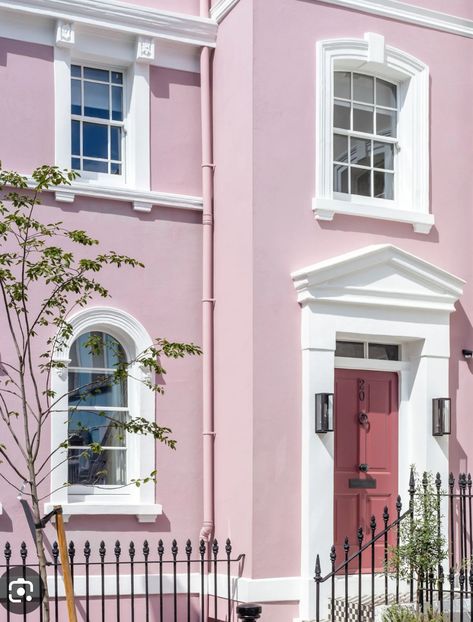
(98, 404)
(372, 141)
(101, 483)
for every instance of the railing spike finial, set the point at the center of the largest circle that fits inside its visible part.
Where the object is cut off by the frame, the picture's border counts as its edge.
(87, 550)
(131, 550)
(425, 480)
(412, 482)
(333, 554)
(399, 504)
(228, 547)
(7, 551)
(469, 482)
(438, 481)
(386, 514)
(346, 545)
(373, 524)
(318, 571)
(359, 536)
(451, 481)
(160, 549)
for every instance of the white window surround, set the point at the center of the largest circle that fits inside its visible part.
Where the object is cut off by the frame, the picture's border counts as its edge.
(375, 293)
(131, 500)
(71, 49)
(371, 56)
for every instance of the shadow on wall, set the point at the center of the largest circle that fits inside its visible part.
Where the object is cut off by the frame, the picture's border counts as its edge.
(461, 336)
(160, 87)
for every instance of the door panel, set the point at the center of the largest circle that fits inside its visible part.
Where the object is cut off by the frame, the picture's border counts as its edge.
(366, 433)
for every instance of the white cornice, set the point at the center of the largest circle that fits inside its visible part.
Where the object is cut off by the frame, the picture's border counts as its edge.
(410, 13)
(113, 15)
(221, 8)
(141, 200)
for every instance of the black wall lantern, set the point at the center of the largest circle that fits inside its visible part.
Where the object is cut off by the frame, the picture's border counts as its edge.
(441, 416)
(323, 412)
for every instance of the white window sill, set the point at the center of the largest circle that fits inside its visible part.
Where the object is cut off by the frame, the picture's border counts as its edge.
(144, 512)
(325, 209)
(1, 508)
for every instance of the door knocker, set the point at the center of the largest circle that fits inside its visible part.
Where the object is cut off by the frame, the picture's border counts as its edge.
(363, 418)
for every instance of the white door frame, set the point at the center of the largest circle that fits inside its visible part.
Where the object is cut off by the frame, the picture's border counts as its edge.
(377, 293)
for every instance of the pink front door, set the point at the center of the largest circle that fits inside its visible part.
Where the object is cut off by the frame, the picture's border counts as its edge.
(366, 454)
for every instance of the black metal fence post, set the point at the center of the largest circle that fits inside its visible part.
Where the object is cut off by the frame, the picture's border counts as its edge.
(249, 612)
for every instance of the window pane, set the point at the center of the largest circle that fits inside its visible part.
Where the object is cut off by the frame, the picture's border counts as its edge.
(115, 168)
(75, 164)
(340, 148)
(360, 181)
(383, 185)
(363, 118)
(341, 115)
(95, 140)
(117, 77)
(384, 352)
(95, 166)
(386, 94)
(96, 389)
(117, 103)
(341, 86)
(96, 102)
(106, 468)
(116, 140)
(340, 178)
(76, 71)
(363, 88)
(89, 426)
(360, 151)
(383, 155)
(75, 137)
(96, 74)
(386, 122)
(351, 349)
(76, 107)
(96, 349)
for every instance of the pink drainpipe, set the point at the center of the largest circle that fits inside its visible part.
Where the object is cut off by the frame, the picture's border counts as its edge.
(208, 301)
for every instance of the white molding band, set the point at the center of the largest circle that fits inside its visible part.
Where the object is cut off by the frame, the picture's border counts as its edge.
(221, 9)
(287, 589)
(410, 13)
(142, 201)
(144, 512)
(113, 15)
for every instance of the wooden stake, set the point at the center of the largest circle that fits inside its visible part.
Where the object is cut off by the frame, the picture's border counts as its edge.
(66, 571)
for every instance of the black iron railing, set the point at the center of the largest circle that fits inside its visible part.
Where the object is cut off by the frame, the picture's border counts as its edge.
(360, 581)
(147, 583)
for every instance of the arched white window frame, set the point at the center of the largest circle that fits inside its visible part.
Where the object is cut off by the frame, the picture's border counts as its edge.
(371, 56)
(141, 448)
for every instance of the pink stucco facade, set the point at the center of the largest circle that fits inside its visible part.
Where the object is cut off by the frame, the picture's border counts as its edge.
(264, 73)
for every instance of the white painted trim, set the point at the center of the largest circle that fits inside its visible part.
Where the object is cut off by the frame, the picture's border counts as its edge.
(243, 589)
(222, 8)
(325, 209)
(354, 294)
(412, 14)
(121, 17)
(411, 193)
(140, 448)
(138, 198)
(1, 508)
(62, 107)
(145, 513)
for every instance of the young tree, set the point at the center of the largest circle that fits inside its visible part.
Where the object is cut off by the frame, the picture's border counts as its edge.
(422, 547)
(46, 272)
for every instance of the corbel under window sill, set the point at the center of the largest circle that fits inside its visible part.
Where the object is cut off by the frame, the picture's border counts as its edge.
(144, 512)
(325, 209)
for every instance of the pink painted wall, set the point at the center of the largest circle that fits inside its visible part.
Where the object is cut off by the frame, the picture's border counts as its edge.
(26, 105)
(281, 235)
(175, 131)
(165, 298)
(234, 327)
